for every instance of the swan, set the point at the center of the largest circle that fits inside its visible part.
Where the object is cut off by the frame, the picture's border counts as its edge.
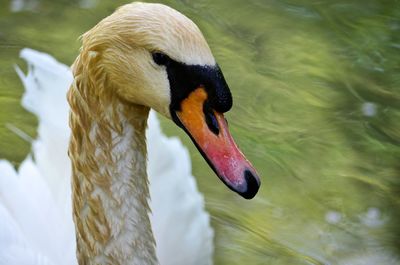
(142, 56)
(44, 181)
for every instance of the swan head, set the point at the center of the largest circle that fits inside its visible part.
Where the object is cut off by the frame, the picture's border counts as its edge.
(154, 56)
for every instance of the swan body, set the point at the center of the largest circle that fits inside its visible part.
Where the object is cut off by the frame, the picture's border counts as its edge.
(36, 225)
(141, 57)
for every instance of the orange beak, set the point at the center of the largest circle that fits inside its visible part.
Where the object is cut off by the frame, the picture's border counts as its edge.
(209, 131)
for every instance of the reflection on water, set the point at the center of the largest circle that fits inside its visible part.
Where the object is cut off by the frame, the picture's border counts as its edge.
(316, 88)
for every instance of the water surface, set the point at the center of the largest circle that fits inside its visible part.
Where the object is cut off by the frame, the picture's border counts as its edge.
(316, 88)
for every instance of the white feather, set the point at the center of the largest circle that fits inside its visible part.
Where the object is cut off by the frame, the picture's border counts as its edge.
(36, 224)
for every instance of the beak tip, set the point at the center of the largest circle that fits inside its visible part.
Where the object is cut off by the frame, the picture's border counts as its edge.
(253, 185)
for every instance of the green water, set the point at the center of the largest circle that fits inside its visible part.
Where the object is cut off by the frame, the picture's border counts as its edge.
(316, 88)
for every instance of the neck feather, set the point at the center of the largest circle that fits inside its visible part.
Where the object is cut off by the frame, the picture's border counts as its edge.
(109, 182)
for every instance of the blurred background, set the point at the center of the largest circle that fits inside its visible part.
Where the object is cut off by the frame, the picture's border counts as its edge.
(316, 88)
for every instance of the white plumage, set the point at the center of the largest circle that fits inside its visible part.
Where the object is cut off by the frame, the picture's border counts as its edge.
(36, 224)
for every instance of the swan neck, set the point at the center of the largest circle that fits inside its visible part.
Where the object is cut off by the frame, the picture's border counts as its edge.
(109, 182)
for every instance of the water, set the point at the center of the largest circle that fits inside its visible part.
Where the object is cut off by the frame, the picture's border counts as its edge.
(316, 88)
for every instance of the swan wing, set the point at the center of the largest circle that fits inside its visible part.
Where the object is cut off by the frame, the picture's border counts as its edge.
(30, 221)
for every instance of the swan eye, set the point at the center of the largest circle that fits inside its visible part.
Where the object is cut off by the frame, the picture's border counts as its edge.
(160, 58)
